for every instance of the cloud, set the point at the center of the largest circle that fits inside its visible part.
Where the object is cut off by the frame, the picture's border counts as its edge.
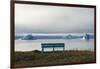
(53, 19)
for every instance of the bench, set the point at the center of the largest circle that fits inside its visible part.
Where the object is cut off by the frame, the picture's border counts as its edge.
(52, 45)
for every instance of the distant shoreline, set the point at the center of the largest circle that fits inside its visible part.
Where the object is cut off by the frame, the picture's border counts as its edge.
(85, 36)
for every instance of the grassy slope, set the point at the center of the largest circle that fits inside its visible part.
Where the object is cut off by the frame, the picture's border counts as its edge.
(47, 58)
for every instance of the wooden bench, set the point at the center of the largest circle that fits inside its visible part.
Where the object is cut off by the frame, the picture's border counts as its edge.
(53, 46)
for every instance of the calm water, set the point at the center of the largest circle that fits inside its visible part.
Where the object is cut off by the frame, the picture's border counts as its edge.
(74, 44)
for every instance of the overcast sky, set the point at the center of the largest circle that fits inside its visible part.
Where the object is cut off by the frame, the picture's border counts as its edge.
(53, 19)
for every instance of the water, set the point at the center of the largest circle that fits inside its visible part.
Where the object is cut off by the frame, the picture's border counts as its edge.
(73, 44)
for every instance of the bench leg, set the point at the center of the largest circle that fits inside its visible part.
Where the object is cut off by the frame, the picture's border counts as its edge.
(42, 50)
(63, 48)
(53, 49)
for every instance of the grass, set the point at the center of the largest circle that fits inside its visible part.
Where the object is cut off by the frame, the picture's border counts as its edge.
(36, 58)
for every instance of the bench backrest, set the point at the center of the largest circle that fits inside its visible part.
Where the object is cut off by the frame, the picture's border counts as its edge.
(52, 45)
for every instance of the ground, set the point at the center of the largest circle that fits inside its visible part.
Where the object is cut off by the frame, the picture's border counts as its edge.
(36, 58)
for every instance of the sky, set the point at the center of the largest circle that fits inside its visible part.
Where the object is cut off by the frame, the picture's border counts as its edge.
(53, 19)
